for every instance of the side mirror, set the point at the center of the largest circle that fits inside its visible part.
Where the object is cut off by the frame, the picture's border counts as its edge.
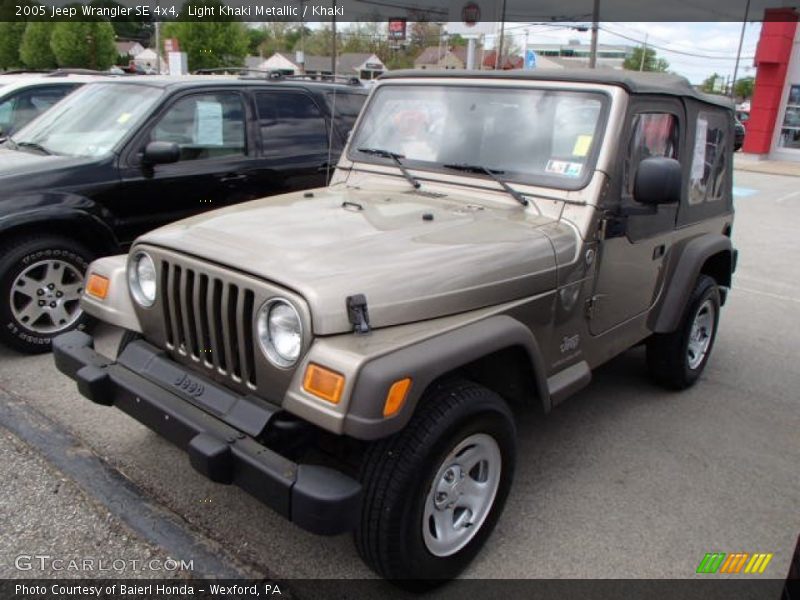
(658, 181)
(161, 153)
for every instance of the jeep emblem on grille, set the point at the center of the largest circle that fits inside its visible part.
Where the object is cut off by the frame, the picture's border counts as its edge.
(188, 385)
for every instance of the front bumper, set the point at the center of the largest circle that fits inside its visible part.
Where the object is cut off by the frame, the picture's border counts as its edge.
(216, 427)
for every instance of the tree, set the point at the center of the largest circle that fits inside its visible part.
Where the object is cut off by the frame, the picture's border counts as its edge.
(10, 39)
(713, 84)
(35, 50)
(84, 44)
(651, 61)
(210, 44)
(744, 87)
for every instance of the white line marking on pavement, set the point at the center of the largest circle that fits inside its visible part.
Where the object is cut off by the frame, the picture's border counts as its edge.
(785, 197)
(768, 294)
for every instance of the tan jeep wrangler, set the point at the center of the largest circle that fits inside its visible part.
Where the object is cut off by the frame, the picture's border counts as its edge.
(487, 241)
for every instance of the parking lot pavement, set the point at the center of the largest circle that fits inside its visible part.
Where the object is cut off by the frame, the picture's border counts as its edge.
(47, 518)
(623, 480)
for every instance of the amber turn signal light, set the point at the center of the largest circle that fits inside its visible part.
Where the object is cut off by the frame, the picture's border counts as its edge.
(97, 286)
(323, 383)
(396, 397)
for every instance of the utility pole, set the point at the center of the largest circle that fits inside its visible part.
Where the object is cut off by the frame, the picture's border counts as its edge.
(499, 49)
(158, 47)
(644, 53)
(595, 21)
(739, 52)
(333, 40)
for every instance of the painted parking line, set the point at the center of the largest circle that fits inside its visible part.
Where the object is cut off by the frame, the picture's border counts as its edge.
(743, 192)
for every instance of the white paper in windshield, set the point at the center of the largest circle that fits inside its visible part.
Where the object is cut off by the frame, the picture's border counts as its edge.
(208, 124)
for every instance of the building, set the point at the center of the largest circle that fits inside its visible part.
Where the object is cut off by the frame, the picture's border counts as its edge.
(443, 58)
(773, 130)
(351, 64)
(575, 54)
(129, 48)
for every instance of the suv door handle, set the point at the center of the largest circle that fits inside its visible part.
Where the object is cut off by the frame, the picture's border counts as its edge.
(232, 177)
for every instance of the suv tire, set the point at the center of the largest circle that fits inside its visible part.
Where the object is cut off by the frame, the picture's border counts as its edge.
(677, 359)
(459, 448)
(41, 280)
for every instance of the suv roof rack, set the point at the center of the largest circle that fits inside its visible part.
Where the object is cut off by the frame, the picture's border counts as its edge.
(281, 76)
(62, 72)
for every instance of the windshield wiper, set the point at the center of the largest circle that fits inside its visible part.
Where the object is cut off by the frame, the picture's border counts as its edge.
(493, 173)
(396, 158)
(31, 145)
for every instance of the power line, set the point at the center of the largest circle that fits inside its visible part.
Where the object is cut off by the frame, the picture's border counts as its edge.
(670, 50)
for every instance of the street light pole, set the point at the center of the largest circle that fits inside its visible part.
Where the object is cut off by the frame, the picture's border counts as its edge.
(644, 53)
(739, 52)
(333, 41)
(595, 21)
(499, 49)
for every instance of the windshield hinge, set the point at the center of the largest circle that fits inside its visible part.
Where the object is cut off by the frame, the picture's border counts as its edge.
(357, 313)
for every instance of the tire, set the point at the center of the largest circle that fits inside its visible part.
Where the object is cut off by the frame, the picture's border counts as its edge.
(676, 360)
(27, 265)
(399, 474)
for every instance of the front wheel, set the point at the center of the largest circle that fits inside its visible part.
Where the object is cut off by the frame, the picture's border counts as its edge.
(434, 492)
(677, 359)
(41, 282)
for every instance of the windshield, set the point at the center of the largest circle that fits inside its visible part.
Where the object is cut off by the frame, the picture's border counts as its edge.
(91, 121)
(535, 136)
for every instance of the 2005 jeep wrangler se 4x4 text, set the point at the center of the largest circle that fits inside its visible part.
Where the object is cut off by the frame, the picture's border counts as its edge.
(487, 241)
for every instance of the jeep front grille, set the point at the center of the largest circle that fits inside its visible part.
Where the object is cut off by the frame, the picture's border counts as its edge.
(209, 321)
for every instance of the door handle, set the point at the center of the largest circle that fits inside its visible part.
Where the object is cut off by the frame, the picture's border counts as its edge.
(232, 177)
(658, 251)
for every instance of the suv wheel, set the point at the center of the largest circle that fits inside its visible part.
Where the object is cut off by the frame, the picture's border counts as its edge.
(677, 359)
(41, 281)
(434, 491)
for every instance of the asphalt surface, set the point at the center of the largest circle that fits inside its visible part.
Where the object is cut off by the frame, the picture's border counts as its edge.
(623, 480)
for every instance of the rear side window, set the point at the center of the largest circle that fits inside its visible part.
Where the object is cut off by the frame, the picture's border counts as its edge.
(24, 107)
(205, 126)
(345, 108)
(709, 161)
(652, 134)
(290, 123)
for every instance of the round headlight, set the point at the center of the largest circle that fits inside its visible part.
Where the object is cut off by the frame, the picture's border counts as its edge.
(280, 332)
(142, 279)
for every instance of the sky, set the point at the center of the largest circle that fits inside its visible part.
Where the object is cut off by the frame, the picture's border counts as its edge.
(694, 50)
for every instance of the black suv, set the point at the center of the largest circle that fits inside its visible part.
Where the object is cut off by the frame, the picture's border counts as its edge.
(118, 158)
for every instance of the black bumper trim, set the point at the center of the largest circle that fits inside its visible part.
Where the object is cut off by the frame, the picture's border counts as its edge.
(318, 499)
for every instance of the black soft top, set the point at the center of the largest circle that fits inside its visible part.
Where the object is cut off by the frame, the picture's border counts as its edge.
(634, 82)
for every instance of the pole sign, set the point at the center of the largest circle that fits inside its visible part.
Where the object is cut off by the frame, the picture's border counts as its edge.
(397, 29)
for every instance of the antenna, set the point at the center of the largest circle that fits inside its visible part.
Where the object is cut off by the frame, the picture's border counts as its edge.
(330, 139)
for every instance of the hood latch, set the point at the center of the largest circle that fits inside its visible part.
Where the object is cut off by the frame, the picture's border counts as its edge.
(357, 313)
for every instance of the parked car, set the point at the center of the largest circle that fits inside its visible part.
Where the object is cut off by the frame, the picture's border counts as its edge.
(739, 132)
(25, 97)
(472, 253)
(118, 158)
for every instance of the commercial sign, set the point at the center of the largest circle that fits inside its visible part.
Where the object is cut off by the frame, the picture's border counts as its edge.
(397, 29)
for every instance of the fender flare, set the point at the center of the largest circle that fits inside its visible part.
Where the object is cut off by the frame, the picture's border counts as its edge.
(681, 278)
(92, 227)
(428, 360)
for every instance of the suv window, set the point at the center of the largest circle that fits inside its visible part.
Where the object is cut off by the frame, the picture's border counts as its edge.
(20, 109)
(652, 134)
(204, 126)
(345, 108)
(707, 178)
(290, 120)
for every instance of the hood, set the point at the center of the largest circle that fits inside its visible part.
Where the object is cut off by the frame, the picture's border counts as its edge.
(413, 257)
(22, 172)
